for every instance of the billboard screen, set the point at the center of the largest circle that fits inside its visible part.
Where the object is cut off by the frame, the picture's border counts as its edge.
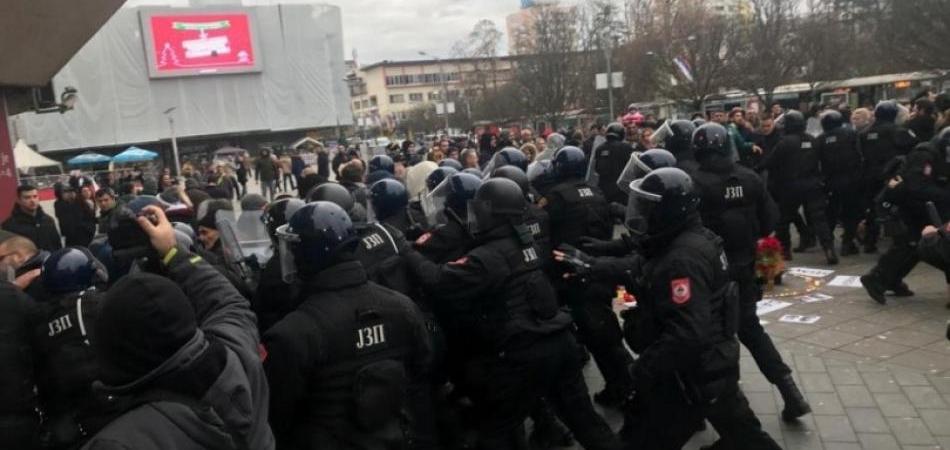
(198, 42)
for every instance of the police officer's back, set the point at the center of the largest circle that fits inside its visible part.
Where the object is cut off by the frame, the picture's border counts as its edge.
(66, 361)
(679, 142)
(883, 141)
(451, 238)
(609, 160)
(378, 250)
(340, 365)
(536, 220)
(577, 209)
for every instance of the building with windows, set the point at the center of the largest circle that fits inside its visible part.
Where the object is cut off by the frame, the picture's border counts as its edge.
(520, 25)
(383, 94)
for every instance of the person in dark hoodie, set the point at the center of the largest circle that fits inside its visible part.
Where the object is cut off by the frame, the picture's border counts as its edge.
(29, 220)
(180, 352)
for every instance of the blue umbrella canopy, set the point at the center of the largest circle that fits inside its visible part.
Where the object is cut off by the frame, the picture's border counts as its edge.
(134, 154)
(88, 158)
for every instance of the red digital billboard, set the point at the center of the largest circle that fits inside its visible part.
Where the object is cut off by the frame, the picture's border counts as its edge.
(195, 42)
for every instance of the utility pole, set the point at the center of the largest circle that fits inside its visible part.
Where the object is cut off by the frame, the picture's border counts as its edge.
(171, 126)
(445, 89)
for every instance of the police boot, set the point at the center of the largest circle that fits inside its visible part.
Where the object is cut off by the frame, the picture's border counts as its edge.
(830, 255)
(902, 290)
(795, 403)
(875, 288)
(848, 248)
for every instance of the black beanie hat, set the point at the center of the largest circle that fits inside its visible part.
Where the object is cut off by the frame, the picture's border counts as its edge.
(143, 321)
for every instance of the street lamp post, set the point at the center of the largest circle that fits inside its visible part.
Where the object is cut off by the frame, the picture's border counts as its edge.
(171, 126)
(445, 89)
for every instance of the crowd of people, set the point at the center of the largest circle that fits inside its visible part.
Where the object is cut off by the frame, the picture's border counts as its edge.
(440, 296)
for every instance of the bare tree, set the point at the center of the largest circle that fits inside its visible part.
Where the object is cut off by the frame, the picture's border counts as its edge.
(766, 51)
(481, 45)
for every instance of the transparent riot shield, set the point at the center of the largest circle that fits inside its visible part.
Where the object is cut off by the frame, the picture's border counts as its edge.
(593, 178)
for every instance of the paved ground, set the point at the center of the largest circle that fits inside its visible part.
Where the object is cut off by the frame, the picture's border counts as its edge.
(877, 377)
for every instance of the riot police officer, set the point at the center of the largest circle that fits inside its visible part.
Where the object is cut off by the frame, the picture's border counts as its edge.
(66, 363)
(879, 144)
(841, 163)
(508, 156)
(520, 344)
(794, 167)
(536, 219)
(450, 239)
(452, 164)
(275, 298)
(367, 345)
(609, 160)
(678, 141)
(381, 163)
(735, 205)
(918, 182)
(684, 325)
(577, 210)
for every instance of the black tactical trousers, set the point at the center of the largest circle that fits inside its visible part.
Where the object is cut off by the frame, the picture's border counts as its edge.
(505, 389)
(599, 330)
(813, 201)
(872, 228)
(899, 259)
(751, 333)
(663, 419)
(846, 206)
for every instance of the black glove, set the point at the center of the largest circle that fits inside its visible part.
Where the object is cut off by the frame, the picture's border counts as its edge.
(580, 263)
(603, 248)
(618, 212)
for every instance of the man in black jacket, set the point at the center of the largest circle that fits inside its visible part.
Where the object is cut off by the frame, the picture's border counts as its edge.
(841, 164)
(794, 168)
(182, 353)
(19, 422)
(609, 160)
(29, 220)
(366, 346)
(521, 348)
(735, 205)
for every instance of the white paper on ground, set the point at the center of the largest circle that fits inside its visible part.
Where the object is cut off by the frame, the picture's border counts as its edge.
(815, 297)
(795, 318)
(809, 272)
(846, 281)
(769, 305)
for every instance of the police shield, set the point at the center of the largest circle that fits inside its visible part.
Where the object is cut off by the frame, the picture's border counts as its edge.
(593, 178)
(658, 138)
(416, 179)
(554, 143)
(244, 240)
(634, 170)
(433, 203)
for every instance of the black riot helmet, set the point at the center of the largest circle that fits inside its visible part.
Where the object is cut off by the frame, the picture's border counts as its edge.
(615, 132)
(72, 269)
(450, 162)
(514, 174)
(334, 193)
(437, 175)
(792, 122)
(569, 162)
(661, 201)
(541, 176)
(711, 139)
(886, 111)
(680, 136)
(642, 163)
(387, 198)
(508, 156)
(279, 212)
(498, 202)
(317, 236)
(831, 120)
(381, 162)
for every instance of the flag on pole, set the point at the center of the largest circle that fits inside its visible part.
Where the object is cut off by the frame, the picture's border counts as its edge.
(684, 68)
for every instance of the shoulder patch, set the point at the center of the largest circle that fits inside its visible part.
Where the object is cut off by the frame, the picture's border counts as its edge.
(459, 262)
(421, 240)
(680, 291)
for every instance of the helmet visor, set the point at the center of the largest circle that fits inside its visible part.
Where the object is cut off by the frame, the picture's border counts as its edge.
(660, 136)
(641, 206)
(634, 170)
(286, 240)
(433, 203)
(479, 216)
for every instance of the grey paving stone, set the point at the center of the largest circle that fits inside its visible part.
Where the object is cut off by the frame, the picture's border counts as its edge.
(824, 403)
(807, 363)
(864, 328)
(835, 429)
(938, 420)
(878, 441)
(910, 430)
(867, 420)
(910, 337)
(880, 382)
(844, 375)
(855, 397)
(940, 383)
(910, 378)
(876, 348)
(895, 405)
(829, 338)
(816, 382)
(942, 346)
(808, 440)
(762, 403)
(842, 446)
(754, 382)
(922, 360)
(924, 397)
